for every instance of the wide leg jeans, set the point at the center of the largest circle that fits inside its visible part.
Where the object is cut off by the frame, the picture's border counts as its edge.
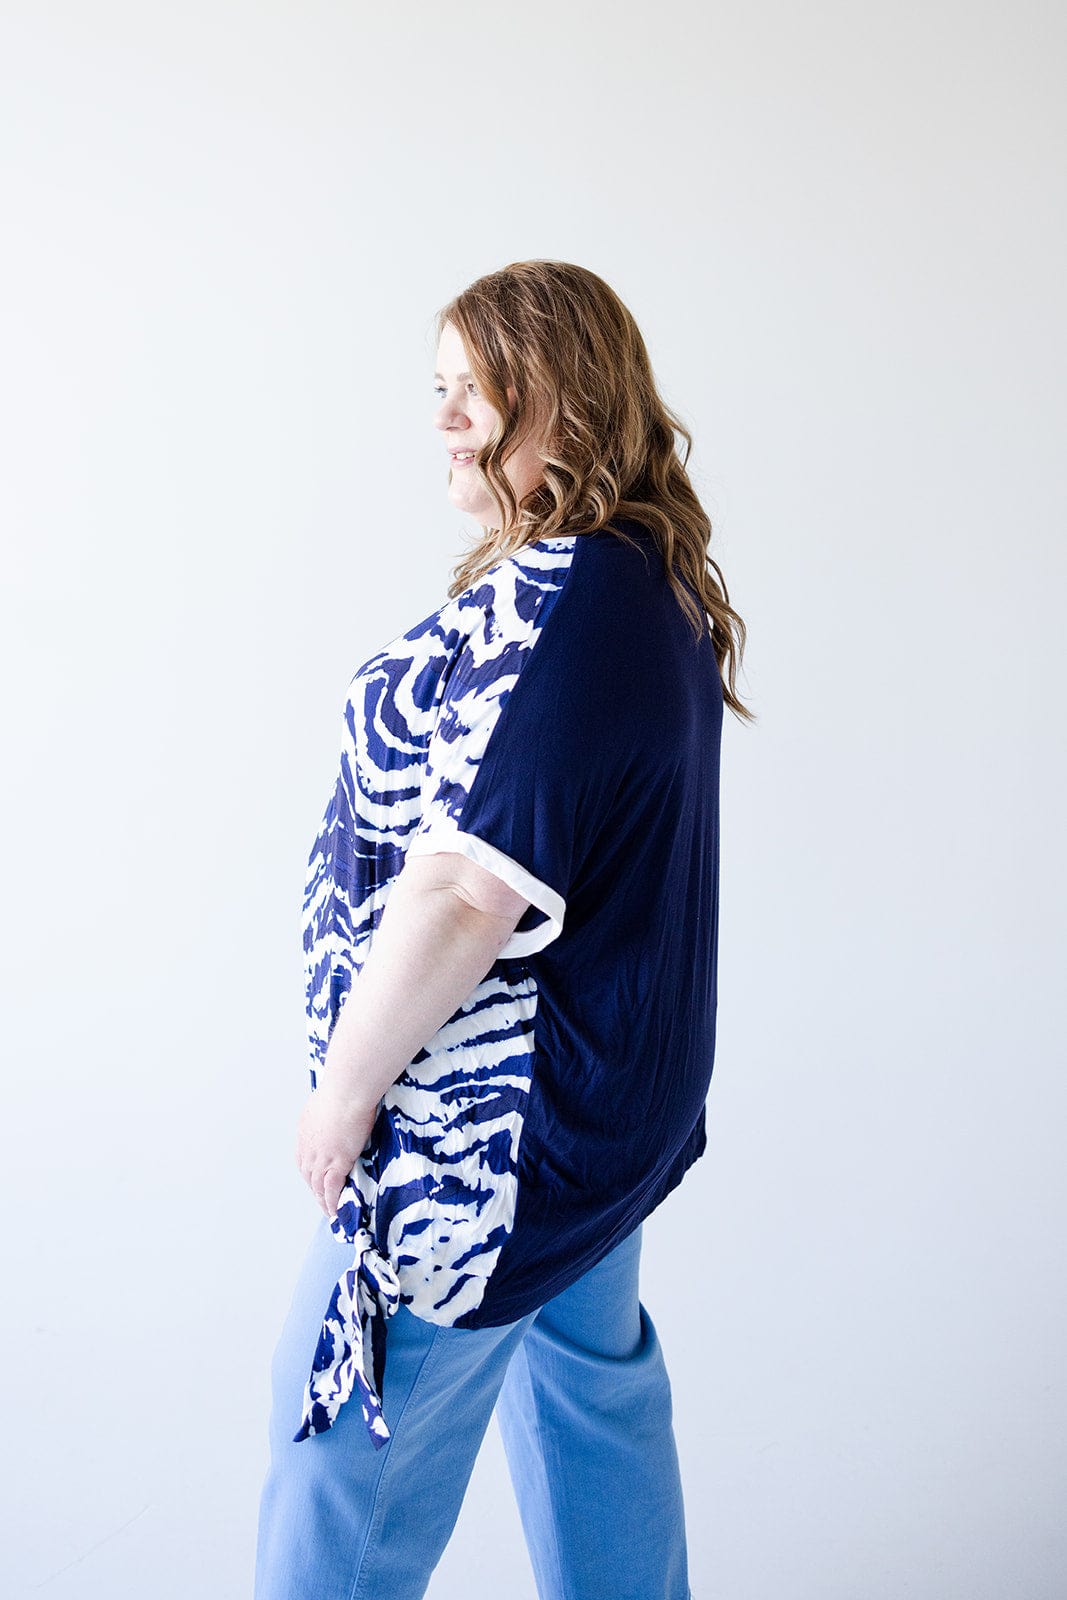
(583, 1404)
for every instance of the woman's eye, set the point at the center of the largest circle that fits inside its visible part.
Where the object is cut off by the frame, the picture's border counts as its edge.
(440, 389)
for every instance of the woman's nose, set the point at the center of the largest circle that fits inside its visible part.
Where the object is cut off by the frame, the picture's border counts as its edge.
(449, 416)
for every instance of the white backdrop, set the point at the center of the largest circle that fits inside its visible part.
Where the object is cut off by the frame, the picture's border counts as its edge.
(841, 228)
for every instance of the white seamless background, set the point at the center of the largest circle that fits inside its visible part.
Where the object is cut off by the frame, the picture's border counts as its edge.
(227, 228)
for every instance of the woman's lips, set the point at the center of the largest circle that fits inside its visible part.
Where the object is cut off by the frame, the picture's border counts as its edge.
(463, 461)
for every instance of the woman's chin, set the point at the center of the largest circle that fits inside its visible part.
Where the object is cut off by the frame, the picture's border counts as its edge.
(471, 505)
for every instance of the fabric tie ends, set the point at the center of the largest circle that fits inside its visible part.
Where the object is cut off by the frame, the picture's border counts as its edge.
(351, 1348)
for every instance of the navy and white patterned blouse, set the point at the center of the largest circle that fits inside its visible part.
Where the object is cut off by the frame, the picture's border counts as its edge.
(559, 723)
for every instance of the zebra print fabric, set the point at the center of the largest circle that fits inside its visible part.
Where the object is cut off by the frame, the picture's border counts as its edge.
(432, 1198)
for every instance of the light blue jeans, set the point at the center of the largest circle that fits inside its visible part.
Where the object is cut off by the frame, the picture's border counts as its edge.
(583, 1404)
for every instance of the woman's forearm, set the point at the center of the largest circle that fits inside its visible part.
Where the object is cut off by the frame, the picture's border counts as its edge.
(431, 949)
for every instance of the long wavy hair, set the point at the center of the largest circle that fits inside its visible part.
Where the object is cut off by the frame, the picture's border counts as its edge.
(562, 339)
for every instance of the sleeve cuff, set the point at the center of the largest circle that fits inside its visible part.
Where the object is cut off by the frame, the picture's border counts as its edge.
(444, 837)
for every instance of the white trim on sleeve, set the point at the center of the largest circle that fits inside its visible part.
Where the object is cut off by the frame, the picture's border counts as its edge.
(443, 836)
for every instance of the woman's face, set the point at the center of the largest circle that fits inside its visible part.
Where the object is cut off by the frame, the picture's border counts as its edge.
(466, 420)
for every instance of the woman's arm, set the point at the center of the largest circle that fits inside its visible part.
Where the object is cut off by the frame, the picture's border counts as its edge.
(444, 925)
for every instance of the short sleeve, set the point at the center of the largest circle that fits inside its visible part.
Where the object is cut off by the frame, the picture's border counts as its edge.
(507, 782)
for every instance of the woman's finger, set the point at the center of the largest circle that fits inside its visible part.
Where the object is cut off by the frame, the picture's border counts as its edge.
(322, 1182)
(333, 1183)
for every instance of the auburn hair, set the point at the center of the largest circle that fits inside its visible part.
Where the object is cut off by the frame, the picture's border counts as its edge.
(564, 342)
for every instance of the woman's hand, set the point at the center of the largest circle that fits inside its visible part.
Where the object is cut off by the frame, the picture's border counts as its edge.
(332, 1134)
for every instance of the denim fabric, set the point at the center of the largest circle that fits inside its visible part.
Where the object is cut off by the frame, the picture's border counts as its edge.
(584, 1409)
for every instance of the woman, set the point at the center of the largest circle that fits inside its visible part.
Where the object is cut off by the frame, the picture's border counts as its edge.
(519, 865)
